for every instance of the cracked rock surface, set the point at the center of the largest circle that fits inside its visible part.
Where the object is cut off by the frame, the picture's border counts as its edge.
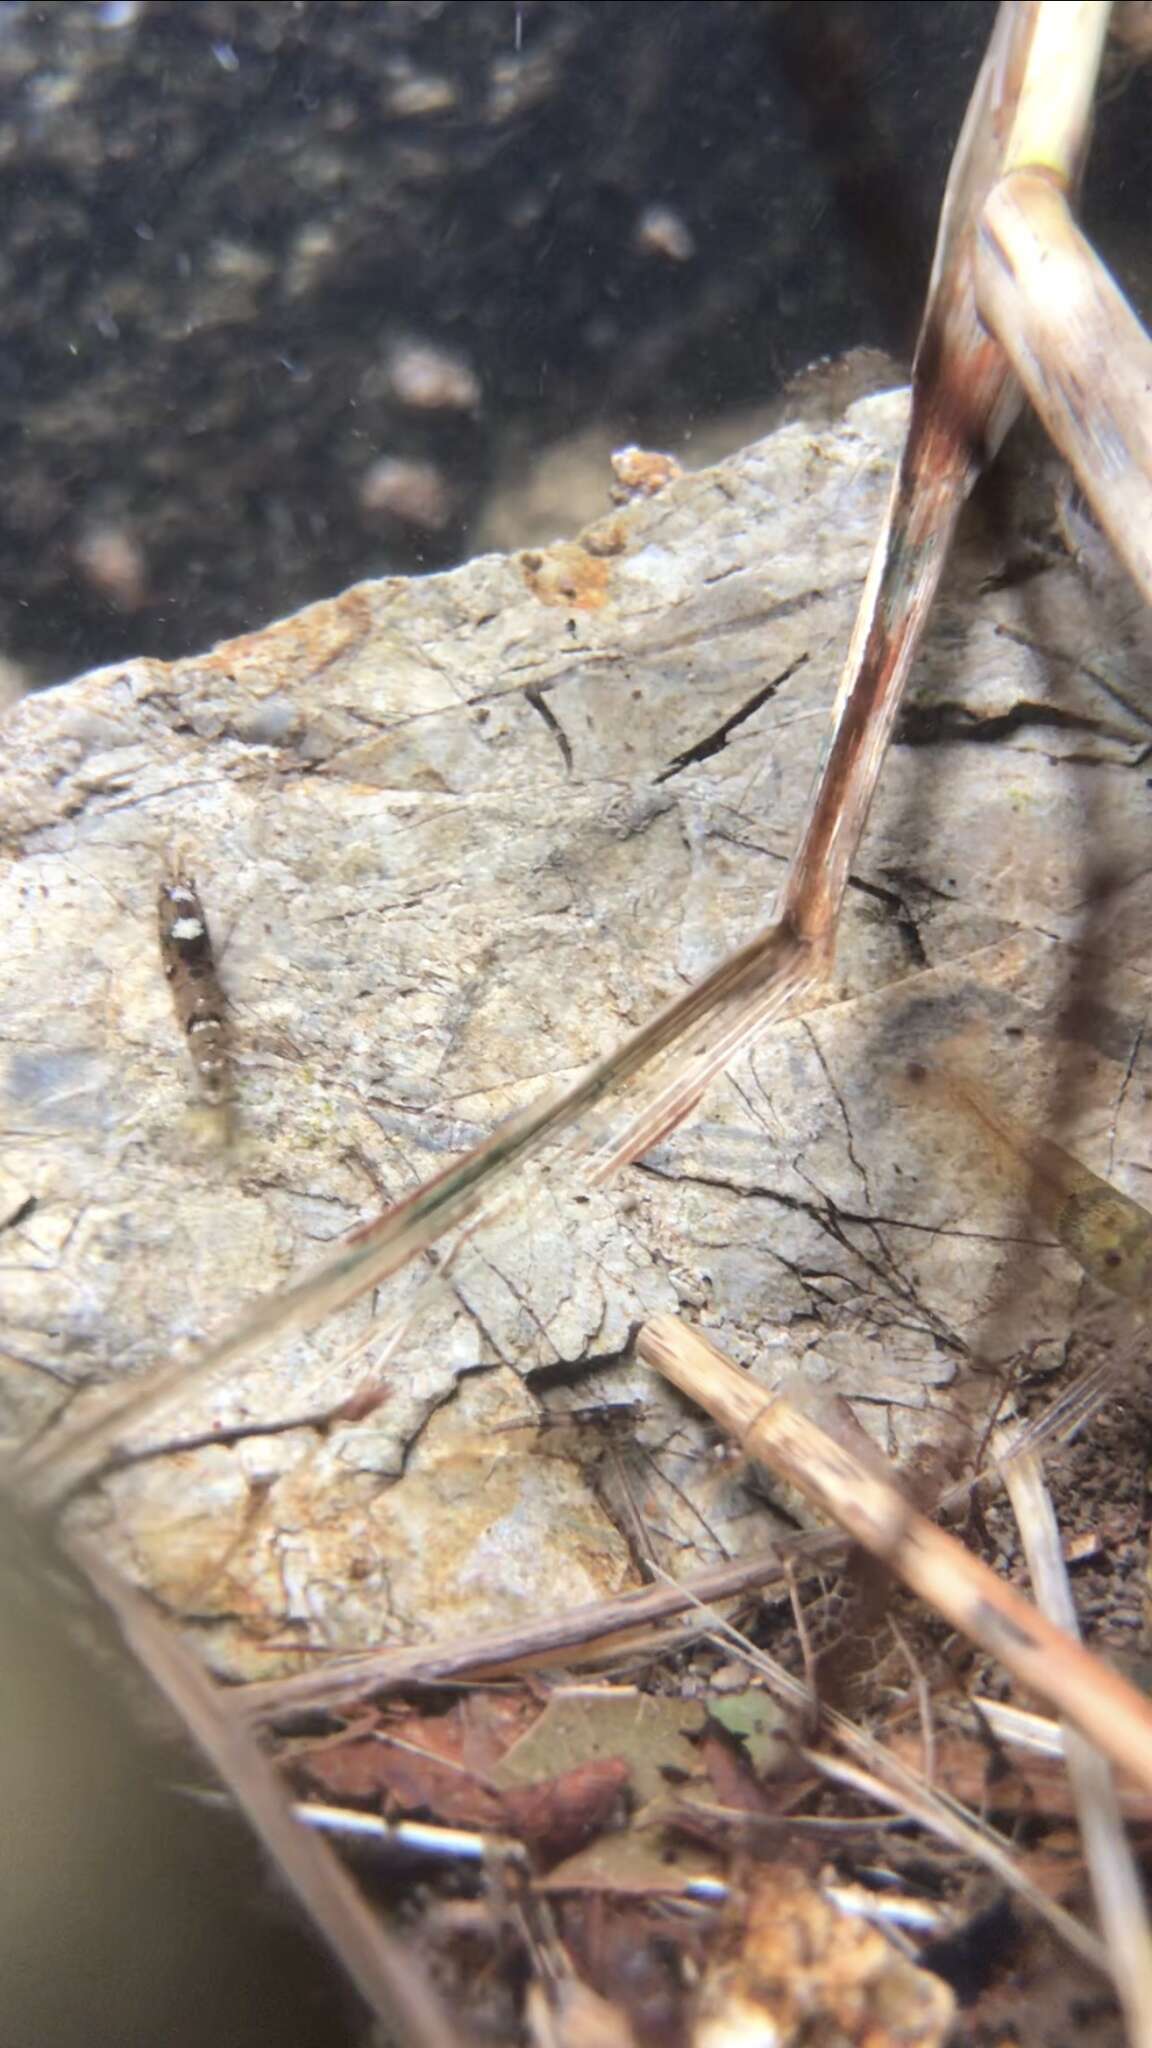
(454, 836)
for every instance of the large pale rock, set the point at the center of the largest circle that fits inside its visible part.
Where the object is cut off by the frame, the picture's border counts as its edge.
(455, 837)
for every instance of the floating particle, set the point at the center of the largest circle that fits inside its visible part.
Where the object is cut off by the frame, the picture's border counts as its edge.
(308, 257)
(421, 94)
(112, 561)
(660, 231)
(409, 490)
(432, 379)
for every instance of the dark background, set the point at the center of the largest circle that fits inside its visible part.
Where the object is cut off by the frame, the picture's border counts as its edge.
(231, 233)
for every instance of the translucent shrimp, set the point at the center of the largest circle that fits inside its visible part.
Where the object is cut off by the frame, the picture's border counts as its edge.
(190, 967)
(1107, 1233)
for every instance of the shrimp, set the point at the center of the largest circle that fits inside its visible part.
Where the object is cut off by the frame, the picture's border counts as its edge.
(190, 968)
(1108, 1234)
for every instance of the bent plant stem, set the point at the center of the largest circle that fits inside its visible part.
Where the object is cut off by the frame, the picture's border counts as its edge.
(463, 1195)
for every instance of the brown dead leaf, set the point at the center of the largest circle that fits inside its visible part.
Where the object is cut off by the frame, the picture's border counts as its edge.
(734, 1783)
(407, 1781)
(1018, 1785)
(556, 1817)
(553, 1817)
(344, 1770)
(475, 1731)
(474, 1734)
(641, 1861)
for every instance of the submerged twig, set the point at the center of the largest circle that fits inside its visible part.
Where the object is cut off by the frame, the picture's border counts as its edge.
(863, 1498)
(1115, 1879)
(964, 395)
(881, 1775)
(899, 1791)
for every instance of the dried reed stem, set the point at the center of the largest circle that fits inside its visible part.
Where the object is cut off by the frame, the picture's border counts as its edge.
(1079, 351)
(1053, 117)
(570, 1634)
(1072, 338)
(378, 1965)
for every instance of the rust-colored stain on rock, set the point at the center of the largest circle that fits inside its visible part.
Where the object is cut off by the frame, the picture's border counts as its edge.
(305, 644)
(567, 575)
(606, 537)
